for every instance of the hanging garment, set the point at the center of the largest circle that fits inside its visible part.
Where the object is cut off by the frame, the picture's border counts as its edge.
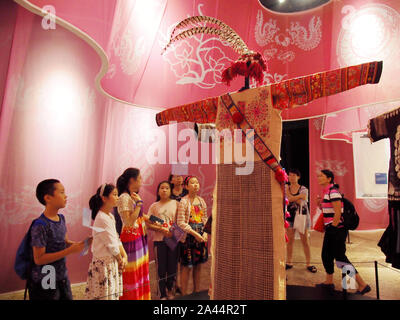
(248, 245)
(381, 127)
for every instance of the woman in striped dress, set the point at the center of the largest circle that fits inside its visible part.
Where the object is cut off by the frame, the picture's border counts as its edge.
(133, 236)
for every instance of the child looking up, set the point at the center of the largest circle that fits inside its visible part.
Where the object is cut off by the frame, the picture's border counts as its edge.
(109, 257)
(192, 217)
(166, 259)
(51, 245)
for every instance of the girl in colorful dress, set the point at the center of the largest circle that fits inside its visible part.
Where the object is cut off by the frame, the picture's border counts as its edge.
(166, 258)
(192, 217)
(133, 236)
(109, 257)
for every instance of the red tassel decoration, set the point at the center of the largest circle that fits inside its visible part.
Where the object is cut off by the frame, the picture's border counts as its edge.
(287, 214)
(281, 176)
(286, 201)
(237, 117)
(255, 70)
(227, 76)
(287, 225)
(286, 238)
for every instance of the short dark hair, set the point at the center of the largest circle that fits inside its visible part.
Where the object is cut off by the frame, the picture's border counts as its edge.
(123, 180)
(45, 187)
(295, 171)
(159, 186)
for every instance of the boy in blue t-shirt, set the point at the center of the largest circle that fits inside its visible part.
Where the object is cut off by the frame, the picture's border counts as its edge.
(50, 246)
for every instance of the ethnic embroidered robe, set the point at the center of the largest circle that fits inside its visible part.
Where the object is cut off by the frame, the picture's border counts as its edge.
(248, 243)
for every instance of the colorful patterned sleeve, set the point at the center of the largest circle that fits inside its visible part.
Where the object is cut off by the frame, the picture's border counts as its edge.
(203, 111)
(298, 91)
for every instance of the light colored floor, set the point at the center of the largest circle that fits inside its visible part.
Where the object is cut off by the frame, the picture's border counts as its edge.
(362, 252)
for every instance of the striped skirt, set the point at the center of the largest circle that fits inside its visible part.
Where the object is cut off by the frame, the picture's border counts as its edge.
(248, 236)
(136, 274)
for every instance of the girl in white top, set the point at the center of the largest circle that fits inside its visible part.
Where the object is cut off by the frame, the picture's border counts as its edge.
(109, 257)
(166, 259)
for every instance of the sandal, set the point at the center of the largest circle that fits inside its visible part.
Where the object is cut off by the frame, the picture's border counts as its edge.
(288, 266)
(312, 269)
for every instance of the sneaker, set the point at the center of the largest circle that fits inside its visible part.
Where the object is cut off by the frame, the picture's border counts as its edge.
(312, 269)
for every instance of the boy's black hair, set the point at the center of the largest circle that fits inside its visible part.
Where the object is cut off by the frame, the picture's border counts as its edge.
(45, 187)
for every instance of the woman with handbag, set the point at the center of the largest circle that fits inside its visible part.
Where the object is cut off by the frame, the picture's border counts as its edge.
(299, 218)
(334, 245)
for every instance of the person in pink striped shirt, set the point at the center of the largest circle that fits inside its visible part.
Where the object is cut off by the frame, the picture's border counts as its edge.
(334, 245)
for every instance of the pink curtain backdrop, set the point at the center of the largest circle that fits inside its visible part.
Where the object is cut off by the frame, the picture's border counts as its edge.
(55, 124)
(56, 121)
(337, 156)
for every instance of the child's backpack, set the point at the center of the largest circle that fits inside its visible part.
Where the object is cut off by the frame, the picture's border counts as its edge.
(24, 258)
(350, 215)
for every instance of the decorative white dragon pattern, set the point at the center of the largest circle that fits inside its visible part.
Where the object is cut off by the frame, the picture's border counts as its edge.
(269, 34)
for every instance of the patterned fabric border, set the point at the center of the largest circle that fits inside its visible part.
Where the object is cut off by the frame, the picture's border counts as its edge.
(204, 111)
(299, 91)
(261, 148)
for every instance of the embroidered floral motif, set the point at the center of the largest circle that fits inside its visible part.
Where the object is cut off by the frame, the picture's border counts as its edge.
(256, 113)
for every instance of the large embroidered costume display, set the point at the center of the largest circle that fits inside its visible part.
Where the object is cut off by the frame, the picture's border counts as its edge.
(388, 126)
(248, 235)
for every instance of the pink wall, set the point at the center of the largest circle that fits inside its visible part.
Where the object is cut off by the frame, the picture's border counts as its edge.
(55, 124)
